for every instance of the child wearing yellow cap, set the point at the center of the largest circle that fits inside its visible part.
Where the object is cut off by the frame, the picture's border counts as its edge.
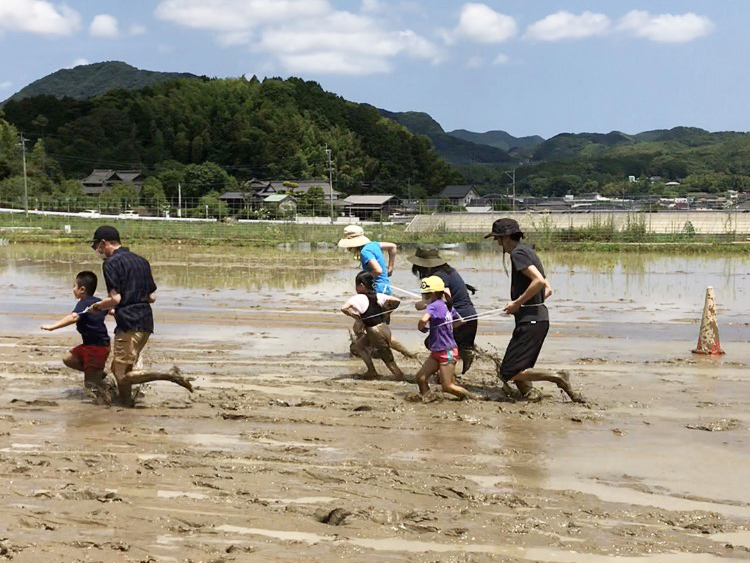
(438, 319)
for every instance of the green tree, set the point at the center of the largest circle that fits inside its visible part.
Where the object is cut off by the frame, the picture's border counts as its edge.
(210, 204)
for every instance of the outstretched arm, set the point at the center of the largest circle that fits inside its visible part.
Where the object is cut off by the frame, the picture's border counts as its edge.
(67, 320)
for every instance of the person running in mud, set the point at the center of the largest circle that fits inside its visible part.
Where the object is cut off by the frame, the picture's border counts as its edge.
(438, 319)
(131, 290)
(371, 255)
(428, 262)
(90, 356)
(529, 288)
(369, 310)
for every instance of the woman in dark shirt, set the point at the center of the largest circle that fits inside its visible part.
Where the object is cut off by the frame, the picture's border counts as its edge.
(429, 262)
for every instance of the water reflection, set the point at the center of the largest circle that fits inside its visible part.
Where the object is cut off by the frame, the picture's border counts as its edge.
(589, 286)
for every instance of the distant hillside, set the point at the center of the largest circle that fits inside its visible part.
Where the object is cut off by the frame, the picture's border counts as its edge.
(579, 145)
(85, 81)
(498, 139)
(452, 149)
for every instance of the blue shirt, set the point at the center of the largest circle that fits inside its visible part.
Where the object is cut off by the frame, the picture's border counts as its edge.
(91, 325)
(368, 252)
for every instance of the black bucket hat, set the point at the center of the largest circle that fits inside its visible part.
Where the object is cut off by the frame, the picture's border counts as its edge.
(503, 227)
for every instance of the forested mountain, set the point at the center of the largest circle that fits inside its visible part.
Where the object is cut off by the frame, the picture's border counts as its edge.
(453, 149)
(209, 135)
(85, 81)
(498, 139)
(266, 129)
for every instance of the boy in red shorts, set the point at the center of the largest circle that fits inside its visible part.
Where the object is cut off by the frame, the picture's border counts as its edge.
(90, 357)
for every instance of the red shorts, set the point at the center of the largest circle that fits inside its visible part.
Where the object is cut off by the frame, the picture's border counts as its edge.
(92, 356)
(445, 356)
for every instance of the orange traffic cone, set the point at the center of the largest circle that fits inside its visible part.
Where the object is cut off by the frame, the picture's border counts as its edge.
(708, 338)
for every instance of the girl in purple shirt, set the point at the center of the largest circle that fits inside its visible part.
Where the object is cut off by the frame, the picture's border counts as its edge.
(438, 318)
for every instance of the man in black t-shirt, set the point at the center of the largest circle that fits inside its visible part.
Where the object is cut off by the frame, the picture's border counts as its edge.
(131, 290)
(529, 288)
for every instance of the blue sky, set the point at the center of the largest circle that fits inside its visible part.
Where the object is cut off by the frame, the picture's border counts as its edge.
(523, 66)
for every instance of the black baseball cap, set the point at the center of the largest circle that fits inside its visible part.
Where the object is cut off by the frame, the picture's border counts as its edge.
(105, 232)
(505, 226)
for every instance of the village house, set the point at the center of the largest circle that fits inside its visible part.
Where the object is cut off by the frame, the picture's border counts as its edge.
(459, 194)
(100, 180)
(370, 206)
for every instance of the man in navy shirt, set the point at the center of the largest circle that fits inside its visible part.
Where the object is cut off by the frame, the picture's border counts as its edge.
(529, 288)
(131, 290)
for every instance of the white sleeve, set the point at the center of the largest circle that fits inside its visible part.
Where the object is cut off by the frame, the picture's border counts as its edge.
(359, 302)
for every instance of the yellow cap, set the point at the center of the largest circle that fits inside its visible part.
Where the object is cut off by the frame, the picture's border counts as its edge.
(432, 283)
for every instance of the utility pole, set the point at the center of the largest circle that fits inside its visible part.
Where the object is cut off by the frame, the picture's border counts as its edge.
(512, 177)
(179, 200)
(25, 182)
(330, 179)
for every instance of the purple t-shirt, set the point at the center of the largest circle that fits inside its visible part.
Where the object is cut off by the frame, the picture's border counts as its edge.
(441, 326)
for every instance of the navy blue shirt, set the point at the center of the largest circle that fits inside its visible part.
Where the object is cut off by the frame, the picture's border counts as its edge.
(91, 325)
(460, 295)
(130, 276)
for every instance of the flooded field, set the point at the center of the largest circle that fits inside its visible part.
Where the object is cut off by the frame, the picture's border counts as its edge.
(283, 454)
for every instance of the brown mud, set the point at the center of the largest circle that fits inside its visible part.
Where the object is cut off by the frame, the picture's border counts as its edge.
(283, 453)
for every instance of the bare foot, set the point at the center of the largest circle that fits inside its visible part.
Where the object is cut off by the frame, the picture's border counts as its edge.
(431, 397)
(533, 395)
(565, 386)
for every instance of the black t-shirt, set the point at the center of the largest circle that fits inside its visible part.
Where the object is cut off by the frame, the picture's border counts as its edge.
(130, 275)
(461, 300)
(521, 257)
(91, 325)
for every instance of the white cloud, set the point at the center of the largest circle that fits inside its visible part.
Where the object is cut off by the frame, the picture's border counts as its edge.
(5, 85)
(501, 59)
(475, 62)
(38, 17)
(565, 25)
(303, 35)
(79, 62)
(104, 26)
(372, 6)
(482, 24)
(342, 43)
(666, 28)
(237, 15)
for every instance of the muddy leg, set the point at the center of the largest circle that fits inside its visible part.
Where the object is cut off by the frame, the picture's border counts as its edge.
(429, 367)
(363, 352)
(401, 349)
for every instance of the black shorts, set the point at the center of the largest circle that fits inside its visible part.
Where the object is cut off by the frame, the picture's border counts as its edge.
(523, 348)
(465, 334)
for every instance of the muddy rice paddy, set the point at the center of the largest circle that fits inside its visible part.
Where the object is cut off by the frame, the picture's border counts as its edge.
(284, 454)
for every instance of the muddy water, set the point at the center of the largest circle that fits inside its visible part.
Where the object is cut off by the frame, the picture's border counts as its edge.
(270, 442)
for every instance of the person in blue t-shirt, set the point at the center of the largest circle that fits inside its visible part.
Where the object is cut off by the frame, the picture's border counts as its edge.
(372, 256)
(438, 319)
(90, 357)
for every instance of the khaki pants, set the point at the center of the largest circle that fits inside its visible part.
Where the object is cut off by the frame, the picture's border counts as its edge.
(126, 350)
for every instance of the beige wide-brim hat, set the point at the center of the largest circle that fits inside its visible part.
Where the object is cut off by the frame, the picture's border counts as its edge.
(354, 236)
(427, 257)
